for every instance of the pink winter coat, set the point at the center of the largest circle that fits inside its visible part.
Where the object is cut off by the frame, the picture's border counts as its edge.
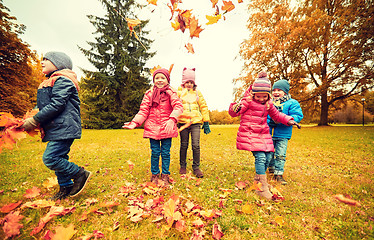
(156, 117)
(253, 133)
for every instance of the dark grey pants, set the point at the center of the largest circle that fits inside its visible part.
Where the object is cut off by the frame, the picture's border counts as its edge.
(194, 131)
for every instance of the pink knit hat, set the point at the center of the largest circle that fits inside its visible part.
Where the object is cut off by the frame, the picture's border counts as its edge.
(163, 71)
(188, 75)
(262, 84)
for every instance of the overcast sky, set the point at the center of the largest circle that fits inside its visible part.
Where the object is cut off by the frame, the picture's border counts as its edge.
(55, 25)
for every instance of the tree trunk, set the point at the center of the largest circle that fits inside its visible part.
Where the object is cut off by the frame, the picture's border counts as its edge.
(323, 121)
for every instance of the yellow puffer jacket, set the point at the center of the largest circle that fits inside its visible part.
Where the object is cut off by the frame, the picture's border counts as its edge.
(195, 109)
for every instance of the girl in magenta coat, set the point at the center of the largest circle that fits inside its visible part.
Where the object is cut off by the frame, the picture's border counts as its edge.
(253, 133)
(159, 111)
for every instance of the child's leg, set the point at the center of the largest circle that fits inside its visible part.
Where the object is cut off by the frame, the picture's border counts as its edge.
(260, 162)
(184, 139)
(56, 158)
(195, 142)
(280, 148)
(165, 155)
(155, 155)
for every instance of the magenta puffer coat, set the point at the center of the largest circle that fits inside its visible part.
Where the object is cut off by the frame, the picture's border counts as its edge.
(155, 118)
(253, 133)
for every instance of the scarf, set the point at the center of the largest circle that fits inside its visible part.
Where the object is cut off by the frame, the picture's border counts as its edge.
(50, 82)
(279, 105)
(156, 95)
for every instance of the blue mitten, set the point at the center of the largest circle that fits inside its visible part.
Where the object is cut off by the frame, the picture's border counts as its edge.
(206, 128)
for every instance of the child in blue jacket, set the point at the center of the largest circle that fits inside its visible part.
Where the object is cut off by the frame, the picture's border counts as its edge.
(59, 117)
(282, 133)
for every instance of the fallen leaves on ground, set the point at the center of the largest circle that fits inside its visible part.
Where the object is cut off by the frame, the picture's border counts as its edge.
(347, 200)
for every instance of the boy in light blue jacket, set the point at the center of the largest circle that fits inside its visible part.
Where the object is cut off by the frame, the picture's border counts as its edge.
(282, 133)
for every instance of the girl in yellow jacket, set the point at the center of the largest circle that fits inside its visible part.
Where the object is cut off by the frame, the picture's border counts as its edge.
(195, 113)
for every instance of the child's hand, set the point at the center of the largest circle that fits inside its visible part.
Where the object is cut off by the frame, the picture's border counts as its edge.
(129, 125)
(29, 124)
(170, 125)
(236, 108)
(292, 122)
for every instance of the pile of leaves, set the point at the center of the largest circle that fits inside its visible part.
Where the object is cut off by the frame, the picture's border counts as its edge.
(12, 130)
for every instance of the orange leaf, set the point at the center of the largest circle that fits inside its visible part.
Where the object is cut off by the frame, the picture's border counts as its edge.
(190, 49)
(154, 2)
(50, 182)
(240, 1)
(247, 209)
(41, 203)
(213, 19)
(346, 200)
(198, 223)
(214, 2)
(10, 207)
(217, 232)
(176, 25)
(227, 6)
(194, 27)
(256, 186)
(240, 185)
(180, 225)
(11, 225)
(279, 220)
(109, 204)
(54, 211)
(131, 23)
(32, 192)
(64, 233)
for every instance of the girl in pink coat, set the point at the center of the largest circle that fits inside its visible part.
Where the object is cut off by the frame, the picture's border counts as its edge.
(159, 110)
(253, 133)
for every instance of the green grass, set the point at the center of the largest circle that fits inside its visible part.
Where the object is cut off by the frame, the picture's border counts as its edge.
(321, 162)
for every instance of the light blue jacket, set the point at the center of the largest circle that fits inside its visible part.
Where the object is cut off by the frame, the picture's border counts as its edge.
(291, 108)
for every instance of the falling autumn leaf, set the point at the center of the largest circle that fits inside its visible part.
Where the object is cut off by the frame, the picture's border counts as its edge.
(154, 2)
(194, 28)
(32, 192)
(190, 49)
(228, 6)
(11, 225)
(9, 207)
(213, 19)
(346, 200)
(214, 2)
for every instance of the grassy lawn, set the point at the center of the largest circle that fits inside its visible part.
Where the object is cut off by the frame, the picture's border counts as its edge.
(321, 162)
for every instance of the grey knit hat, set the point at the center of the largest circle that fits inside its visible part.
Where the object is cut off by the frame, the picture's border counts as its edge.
(60, 60)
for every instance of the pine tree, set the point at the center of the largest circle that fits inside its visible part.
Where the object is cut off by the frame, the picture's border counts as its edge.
(17, 84)
(112, 94)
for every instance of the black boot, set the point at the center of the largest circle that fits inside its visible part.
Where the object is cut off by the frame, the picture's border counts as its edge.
(80, 181)
(280, 179)
(63, 193)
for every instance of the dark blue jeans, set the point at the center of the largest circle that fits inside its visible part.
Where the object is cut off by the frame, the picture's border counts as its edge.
(56, 158)
(278, 159)
(160, 147)
(194, 130)
(262, 160)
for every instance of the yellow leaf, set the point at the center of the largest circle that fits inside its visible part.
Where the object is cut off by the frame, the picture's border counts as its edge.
(213, 19)
(64, 233)
(279, 220)
(247, 209)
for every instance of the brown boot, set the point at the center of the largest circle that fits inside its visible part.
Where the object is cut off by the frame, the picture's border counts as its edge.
(154, 178)
(182, 170)
(265, 186)
(165, 178)
(198, 173)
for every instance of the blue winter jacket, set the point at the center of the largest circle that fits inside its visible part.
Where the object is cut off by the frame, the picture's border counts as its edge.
(59, 107)
(291, 108)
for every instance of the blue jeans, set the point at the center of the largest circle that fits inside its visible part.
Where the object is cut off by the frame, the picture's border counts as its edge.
(262, 160)
(160, 147)
(278, 159)
(56, 158)
(194, 130)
